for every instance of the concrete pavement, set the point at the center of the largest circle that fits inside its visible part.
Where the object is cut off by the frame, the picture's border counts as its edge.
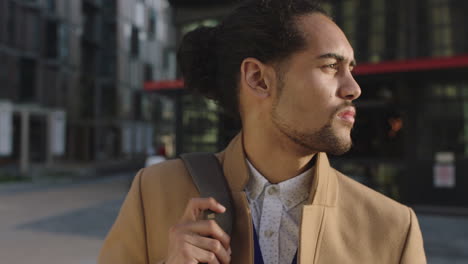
(63, 223)
(445, 238)
(66, 223)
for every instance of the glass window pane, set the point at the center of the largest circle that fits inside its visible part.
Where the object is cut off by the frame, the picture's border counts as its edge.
(349, 8)
(446, 36)
(378, 23)
(435, 16)
(378, 5)
(445, 15)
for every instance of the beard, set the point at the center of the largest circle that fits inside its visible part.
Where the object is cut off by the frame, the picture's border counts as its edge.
(325, 139)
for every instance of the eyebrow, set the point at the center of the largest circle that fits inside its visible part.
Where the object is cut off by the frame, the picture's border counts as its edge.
(338, 57)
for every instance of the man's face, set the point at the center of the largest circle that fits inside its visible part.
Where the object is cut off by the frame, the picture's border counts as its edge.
(313, 106)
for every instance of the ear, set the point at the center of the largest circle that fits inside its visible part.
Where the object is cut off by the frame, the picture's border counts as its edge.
(254, 77)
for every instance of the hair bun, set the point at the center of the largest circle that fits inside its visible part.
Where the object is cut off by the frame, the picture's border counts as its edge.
(197, 61)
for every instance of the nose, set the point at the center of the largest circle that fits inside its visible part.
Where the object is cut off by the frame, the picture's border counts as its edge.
(349, 89)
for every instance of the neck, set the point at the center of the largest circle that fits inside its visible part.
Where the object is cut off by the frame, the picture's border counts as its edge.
(276, 157)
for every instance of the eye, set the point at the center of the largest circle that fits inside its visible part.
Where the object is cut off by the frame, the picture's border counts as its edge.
(331, 67)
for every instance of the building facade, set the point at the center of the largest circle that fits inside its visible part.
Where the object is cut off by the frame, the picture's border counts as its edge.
(411, 139)
(411, 135)
(87, 59)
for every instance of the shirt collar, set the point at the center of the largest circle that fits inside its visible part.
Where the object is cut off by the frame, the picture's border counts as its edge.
(256, 183)
(292, 192)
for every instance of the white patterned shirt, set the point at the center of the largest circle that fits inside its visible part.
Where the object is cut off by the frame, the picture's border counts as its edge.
(276, 213)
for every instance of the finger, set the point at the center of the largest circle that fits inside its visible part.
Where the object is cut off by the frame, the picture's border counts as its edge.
(196, 206)
(208, 228)
(203, 256)
(211, 245)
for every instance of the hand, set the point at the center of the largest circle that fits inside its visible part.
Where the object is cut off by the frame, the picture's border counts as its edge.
(194, 241)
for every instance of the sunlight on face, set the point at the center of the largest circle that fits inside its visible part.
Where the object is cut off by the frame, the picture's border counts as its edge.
(316, 89)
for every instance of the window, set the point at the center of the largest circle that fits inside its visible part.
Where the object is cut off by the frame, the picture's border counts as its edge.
(460, 31)
(51, 5)
(63, 41)
(200, 124)
(87, 98)
(137, 106)
(109, 8)
(193, 25)
(377, 30)
(135, 42)
(440, 27)
(88, 59)
(148, 72)
(90, 21)
(51, 39)
(443, 120)
(380, 130)
(108, 65)
(152, 23)
(349, 19)
(11, 25)
(328, 7)
(4, 92)
(27, 80)
(108, 99)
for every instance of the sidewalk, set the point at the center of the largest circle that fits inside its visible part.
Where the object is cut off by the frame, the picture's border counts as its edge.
(445, 238)
(57, 224)
(66, 223)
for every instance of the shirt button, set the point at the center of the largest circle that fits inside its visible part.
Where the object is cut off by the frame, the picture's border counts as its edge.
(272, 190)
(268, 233)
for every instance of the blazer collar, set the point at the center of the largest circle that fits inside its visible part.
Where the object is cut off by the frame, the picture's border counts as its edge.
(323, 188)
(235, 166)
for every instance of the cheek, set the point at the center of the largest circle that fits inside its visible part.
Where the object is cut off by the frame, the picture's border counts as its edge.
(315, 97)
(308, 98)
(309, 110)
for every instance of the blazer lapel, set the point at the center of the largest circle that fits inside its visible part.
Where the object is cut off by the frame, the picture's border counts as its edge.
(237, 176)
(323, 197)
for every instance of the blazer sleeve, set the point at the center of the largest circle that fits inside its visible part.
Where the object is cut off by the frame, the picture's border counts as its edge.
(413, 250)
(126, 241)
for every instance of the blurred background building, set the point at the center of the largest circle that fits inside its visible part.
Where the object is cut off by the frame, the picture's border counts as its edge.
(71, 79)
(411, 137)
(90, 88)
(93, 82)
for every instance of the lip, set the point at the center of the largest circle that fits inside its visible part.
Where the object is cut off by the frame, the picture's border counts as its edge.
(348, 114)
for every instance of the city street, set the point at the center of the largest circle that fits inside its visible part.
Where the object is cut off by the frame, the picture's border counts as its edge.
(66, 223)
(58, 224)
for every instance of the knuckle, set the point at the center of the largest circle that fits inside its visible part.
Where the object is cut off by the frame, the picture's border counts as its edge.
(211, 200)
(184, 237)
(227, 237)
(192, 202)
(215, 246)
(212, 225)
(211, 257)
(185, 251)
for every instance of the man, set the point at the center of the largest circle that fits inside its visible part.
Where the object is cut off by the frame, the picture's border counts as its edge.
(286, 68)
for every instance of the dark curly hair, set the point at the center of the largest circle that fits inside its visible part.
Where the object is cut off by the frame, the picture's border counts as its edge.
(210, 57)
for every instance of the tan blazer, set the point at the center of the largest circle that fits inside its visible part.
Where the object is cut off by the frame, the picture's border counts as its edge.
(343, 221)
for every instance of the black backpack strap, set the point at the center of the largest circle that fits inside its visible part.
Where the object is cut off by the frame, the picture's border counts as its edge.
(207, 173)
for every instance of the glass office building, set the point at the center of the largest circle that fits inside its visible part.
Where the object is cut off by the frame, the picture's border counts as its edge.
(411, 135)
(89, 59)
